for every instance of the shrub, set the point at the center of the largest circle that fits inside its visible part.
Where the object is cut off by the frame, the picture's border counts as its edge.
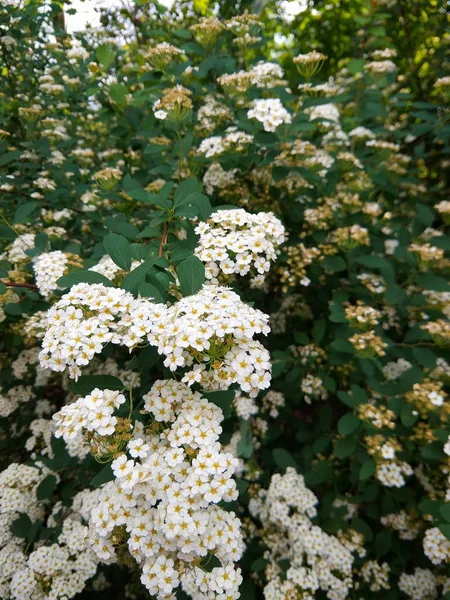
(224, 301)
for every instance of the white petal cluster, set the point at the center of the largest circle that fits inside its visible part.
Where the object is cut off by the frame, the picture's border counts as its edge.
(107, 267)
(238, 242)
(361, 133)
(217, 178)
(266, 74)
(84, 320)
(48, 268)
(212, 332)
(418, 585)
(270, 112)
(216, 144)
(18, 484)
(61, 570)
(93, 412)
(165, 497)
(13, 398)
(329, 112)
(16, 251)
(245, 407)
(318, 561)
(436, 546)
(391, 474)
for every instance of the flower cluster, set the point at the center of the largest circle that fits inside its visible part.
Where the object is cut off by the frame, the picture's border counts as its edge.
(317, 561)
(237, 242)
(232, 140)
(49, 267)
(59, 571)
(93, 412)
(212, 332)
(84, 320)
(270, 112)
(163, 502)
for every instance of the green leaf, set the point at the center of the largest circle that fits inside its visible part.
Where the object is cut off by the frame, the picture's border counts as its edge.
(380, 263)
(87, 383)
(103, 476)
(407, 416)
(426, 357)
(348, 424)
(147, 358)
(71, 279)
(245, 444)
(21, 526)
(367, 469)
(259, 564)
(356, 65)
(395, 295)
(430, 507)
(318, 330)
(334, 263)
(433, 282)
(186, 187)
(105, 55)
(424, 214)
(382, 542)
(445, 512)
(433, 451)
(9, 157)
(46, 487)
(342, 345)
(24, 211)
(118, 93)
(147, 290)
(347, 399)
(345, 447)
(445, 529)
(284, 459)
(119, 250)
(242, 486)
(134, 279)
(223, 399)
(210, 562)
(198, 202)
(191, 275)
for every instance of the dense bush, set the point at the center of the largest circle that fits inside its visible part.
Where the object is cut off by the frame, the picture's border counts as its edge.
(224, 305)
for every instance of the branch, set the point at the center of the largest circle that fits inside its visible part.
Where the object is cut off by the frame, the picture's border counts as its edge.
(163, 239)
(30, 286)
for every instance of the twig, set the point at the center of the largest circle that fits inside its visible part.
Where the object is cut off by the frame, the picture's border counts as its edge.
(163, 238)
(30, 286)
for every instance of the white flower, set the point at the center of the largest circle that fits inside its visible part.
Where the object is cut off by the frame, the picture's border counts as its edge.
(270, 112)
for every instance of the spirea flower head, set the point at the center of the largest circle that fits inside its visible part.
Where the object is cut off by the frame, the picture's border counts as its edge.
(329, 112)
(270, 112)
(165, 494)
(212, 333)
(84, 320)
(232, 140)
(15, 252)
(266, 74)
(237, 242)
(50, 266)
(309, 64)
(316, 560)
(93, 412)
(380, 67)
(175, 104)
(163, 54)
